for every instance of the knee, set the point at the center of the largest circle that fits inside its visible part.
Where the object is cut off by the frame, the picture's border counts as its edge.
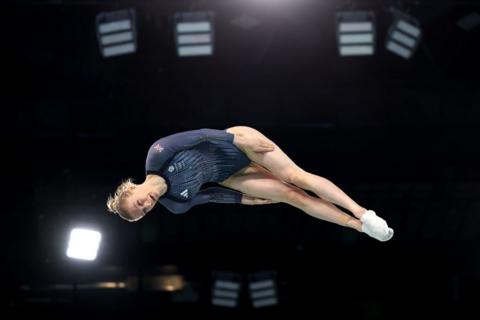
(293, 196)
(297, 177)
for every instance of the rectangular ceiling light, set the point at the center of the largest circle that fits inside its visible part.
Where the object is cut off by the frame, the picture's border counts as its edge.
(194, 33)
(226, 289)
(404, 36)
(116, 32)
(263, 289)
(355, 33)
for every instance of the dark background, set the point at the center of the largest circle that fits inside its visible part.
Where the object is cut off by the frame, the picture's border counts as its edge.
(398, 136)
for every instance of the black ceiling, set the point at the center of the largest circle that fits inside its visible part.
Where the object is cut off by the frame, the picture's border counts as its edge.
(398, 136)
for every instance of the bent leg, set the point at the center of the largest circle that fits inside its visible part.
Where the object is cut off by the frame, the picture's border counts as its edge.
(285, 169)
(257, 181)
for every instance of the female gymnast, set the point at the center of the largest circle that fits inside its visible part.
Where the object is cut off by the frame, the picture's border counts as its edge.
(239, 158)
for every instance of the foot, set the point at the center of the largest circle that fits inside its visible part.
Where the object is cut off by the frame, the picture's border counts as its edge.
(375, 226)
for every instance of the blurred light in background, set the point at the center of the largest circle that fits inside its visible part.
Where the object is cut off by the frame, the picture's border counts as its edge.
(404, 35)
(83, 244)
(470, 21)
(167, 278)
(355, 33)
(226, 289)
(262, 287)
(194, 33)
(245, 22)
(116, 32)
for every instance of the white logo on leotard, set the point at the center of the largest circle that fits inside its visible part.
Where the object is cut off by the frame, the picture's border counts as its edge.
(185, 193)
(171, 168)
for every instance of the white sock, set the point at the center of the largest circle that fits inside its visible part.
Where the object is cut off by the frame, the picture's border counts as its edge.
(375, 226)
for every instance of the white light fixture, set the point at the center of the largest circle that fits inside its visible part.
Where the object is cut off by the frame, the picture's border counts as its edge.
(470, 21)
(116, 32)
(245, 22)
(263, 289)
(355, 33)
(83, 244)
(226, 289)
(194, 33)
(404, 35)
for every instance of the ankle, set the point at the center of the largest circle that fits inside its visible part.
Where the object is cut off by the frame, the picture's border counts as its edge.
(359, 212)
(354, 224)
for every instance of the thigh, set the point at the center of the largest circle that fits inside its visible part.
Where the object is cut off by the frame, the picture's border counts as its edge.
(276, 161)
(256, 181)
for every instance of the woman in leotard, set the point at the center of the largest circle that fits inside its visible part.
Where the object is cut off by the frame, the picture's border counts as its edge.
(250, 169)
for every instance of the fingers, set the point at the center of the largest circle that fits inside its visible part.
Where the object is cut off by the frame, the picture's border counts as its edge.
(269, 146)
(264, 147)
(263, 201)
(256, 201)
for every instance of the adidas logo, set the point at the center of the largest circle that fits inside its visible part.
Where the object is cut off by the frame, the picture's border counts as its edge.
(185, 193)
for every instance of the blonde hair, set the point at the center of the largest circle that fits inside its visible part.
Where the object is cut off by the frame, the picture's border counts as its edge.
(114, 203)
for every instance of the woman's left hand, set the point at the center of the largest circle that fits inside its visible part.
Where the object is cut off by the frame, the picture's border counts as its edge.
(254, 143)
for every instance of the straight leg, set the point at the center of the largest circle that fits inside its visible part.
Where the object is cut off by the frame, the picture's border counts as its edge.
(257, 181)
(285, 169)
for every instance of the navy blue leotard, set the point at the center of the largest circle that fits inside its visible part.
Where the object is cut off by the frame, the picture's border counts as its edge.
(188, 159)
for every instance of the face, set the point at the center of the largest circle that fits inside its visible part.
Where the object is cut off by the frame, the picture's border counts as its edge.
(139, 202)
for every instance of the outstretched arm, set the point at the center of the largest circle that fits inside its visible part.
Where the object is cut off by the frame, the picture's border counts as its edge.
(223, 195)
(212, 194)
(246, 199)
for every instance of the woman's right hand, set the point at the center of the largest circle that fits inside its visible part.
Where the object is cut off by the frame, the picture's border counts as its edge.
(254, 143)
(246, 199)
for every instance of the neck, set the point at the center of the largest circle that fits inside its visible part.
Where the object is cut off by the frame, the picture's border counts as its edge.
(156, 184)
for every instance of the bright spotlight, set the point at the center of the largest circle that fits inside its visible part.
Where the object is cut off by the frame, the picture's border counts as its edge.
(83, 244)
